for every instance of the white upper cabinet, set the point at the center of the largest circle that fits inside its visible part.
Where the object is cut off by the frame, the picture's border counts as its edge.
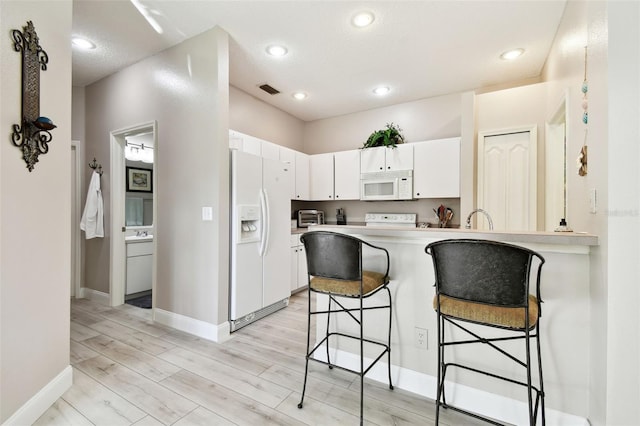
(381, 158)
(346, 175)
(299, 167)
(321, 177)
(302, 176)
(437, 168)
(288, 156)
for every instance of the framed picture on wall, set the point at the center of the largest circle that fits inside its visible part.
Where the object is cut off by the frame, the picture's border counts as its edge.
(139, 180)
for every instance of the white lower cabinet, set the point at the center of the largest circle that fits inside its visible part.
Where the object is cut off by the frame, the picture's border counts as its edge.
(298, 264)
(139, 267)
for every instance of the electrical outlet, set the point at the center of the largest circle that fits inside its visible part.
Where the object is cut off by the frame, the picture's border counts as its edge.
(420, 336)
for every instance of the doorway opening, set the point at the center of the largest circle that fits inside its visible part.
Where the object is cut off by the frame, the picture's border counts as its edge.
(133, 214)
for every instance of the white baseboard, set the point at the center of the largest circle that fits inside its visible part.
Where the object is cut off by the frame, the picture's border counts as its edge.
(41, 401)
(215, 333)
(95, 295)
(487, 404)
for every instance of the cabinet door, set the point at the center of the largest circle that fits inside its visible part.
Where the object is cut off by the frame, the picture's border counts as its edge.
(372, 160)
(321, 177)
(294, 268)
(288, 156)
(437, 169)
(302, 267)
(302, 176)
(346, 175)
(400, 157)
(139, 271)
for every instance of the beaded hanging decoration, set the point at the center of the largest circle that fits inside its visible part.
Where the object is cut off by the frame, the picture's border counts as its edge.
(581, 161)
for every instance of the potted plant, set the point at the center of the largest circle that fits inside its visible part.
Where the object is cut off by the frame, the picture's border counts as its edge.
(390, 136)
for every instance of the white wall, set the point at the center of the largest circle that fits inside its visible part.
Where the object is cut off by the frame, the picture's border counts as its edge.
(34, 221)
(623, 212)
(610, 30)
(190, 105)
(254, 117)
(426, 119)
(517, 107)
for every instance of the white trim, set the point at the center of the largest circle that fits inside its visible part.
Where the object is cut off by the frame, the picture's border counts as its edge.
(76, 274)
(117, 252)
(41, 401)
(95, 296)
(495, 406)
(216, 333)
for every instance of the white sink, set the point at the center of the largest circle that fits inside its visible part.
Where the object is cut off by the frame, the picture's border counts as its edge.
(138, 239)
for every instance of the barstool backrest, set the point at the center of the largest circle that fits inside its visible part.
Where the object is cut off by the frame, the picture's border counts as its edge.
(333, 255)
(484, 271)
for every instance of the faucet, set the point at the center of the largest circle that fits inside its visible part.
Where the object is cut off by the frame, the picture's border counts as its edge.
(468, 225)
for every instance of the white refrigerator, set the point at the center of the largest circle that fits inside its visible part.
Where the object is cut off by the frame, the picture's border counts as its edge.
(260, 235)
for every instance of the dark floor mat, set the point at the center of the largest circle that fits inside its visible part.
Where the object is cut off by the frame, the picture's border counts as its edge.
(141, 302)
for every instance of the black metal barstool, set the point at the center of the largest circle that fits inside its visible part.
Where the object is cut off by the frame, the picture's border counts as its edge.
(335, 268)
(487, 283)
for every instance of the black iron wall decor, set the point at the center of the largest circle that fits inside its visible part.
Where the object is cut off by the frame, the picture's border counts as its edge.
(33, 134)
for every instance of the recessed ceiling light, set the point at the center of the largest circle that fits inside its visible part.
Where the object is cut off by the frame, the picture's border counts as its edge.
(381, 91)
(299, 95)
(511, 54)
(82, 43)
(363, 19)
(276, 50)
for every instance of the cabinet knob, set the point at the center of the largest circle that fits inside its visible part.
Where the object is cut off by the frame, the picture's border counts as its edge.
(337, 196)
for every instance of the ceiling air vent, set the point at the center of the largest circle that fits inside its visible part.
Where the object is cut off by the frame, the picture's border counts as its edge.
(270, 90)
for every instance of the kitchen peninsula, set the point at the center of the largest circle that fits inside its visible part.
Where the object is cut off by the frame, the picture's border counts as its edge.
(565, 322)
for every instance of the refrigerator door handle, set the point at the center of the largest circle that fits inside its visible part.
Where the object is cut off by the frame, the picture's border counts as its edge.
(264, 210)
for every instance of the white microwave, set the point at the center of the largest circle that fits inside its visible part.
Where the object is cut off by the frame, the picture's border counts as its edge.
(391, 185)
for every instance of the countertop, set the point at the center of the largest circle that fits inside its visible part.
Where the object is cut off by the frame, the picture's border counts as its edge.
(530, 237)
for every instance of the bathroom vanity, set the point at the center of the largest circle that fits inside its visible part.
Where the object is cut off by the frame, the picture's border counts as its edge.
(139, 264)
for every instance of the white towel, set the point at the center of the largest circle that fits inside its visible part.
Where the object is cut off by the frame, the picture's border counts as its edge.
(92, 218)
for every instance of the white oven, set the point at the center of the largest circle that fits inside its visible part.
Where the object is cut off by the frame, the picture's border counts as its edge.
(392, 185)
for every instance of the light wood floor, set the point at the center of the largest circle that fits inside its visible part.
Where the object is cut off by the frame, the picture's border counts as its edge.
(129, 370)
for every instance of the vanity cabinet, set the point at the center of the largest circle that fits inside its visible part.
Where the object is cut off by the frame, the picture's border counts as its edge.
(437, 168)
(298, 264)
(139, 267)
(381, 158)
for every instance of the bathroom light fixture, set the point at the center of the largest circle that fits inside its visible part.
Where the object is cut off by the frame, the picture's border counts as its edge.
(362, 19)
(511, 54)
(299, 95)
(82, 43)
(381, 91)
(276, 50)
(138, 152)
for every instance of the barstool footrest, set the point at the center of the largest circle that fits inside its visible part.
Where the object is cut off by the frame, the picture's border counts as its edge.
(385, 350)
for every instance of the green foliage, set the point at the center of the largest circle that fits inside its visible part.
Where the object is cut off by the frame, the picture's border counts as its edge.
(389, 136)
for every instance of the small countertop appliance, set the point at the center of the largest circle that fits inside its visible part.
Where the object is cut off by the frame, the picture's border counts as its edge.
(310, 217)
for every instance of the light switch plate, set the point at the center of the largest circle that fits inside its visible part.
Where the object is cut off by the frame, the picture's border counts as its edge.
(593, 201)
(207, 214)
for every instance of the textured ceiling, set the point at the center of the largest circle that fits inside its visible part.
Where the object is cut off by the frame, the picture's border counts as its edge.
(420, 49)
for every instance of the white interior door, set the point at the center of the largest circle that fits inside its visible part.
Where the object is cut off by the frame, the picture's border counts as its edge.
(507, 179)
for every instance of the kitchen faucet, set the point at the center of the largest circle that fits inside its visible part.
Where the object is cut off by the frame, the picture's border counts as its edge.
(468, 225)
